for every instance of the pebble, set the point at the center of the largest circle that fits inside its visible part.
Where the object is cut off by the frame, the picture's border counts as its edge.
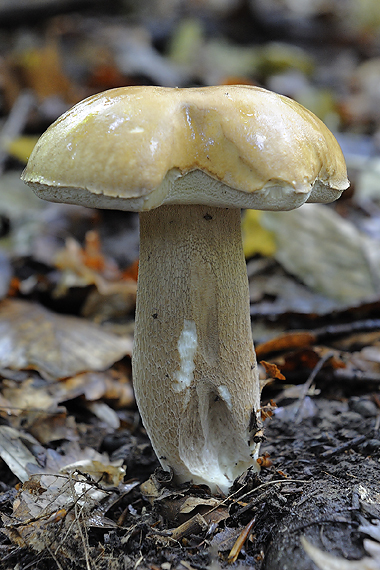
(364, 407)
(371, 445)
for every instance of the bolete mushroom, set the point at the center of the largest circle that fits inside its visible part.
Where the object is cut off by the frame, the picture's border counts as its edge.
(188, 160)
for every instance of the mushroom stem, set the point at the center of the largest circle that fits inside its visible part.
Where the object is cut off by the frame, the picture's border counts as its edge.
(194, 365)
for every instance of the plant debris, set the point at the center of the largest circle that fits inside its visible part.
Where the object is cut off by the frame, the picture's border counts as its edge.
(80, 486)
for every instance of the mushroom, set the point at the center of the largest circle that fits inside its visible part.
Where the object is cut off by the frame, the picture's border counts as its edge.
(188, 160)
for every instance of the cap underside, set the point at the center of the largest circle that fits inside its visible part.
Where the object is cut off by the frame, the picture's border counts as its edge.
(195, 187)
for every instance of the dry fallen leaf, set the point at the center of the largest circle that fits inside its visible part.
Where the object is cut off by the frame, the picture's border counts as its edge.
(86, 261)
(285, 342)
(114, 293)
(272, 370)
(15, 453)
(28, 405)
(55, 345)
(35, 405)
(109, 385)
(60, 494)
(192, 502)
(321, 248)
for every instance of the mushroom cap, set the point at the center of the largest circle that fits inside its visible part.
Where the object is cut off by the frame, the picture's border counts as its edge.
(135, 148)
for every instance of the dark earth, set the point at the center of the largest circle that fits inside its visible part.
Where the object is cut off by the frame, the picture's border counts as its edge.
(321, 482)
(320, 456)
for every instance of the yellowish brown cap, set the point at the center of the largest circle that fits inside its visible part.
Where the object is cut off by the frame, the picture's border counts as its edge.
(135, 148)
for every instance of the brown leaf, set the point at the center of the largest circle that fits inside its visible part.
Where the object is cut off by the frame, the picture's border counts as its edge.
(299, 360)
(30, 406)
(56, 494)
(288, 341)
(35, 405)
(53, 427)
(114, 292)
(96, 385)
(55, 345)
(272, 370)
(192, 502)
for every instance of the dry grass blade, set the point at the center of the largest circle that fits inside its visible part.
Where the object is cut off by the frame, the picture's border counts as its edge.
(235, 550)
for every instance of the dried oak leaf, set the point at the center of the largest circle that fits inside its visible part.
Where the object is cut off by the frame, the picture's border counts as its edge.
(56, 346)
(30, 407)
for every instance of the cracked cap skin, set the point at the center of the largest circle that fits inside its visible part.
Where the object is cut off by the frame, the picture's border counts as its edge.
(127, 148)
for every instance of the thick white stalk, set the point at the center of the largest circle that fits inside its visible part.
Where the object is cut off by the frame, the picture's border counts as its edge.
(194, 365)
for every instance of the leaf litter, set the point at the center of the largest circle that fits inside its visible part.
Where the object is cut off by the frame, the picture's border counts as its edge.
(57, 346)
(80, 485)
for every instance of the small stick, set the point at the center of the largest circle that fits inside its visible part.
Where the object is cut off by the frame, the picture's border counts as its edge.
(356, 376)
(308, 383)
(252, 504)
(193, 526)
(348, 445)
(262, 486)
(331, 331)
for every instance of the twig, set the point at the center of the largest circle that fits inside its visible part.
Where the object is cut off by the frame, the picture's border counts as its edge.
(32, 564)
(262, 486)
(193, 526)
(76, 519)
(331, 331)
(52, 554)
(346, 375)
(308, 383)
(138, 561)
(348, 445)
(84, 536)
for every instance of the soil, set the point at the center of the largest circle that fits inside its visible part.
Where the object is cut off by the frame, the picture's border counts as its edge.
(321, 481)
(320, 475)
(339, 467)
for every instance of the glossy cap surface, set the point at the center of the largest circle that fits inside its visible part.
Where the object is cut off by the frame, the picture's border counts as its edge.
(135, 148)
